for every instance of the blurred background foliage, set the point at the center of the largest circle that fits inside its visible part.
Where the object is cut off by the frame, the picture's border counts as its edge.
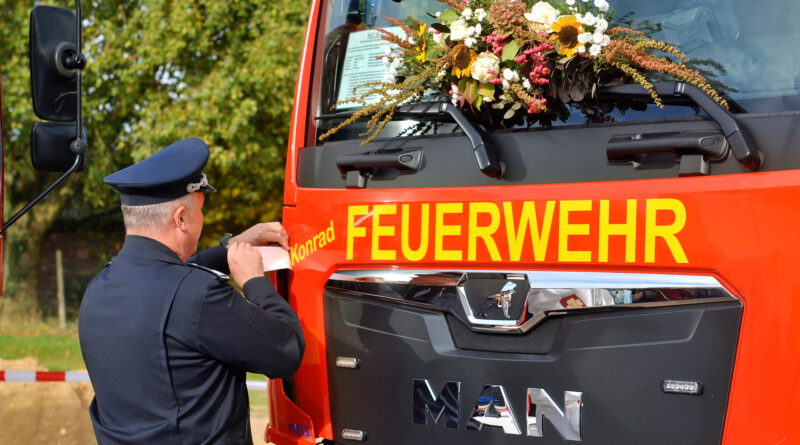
(158, 71)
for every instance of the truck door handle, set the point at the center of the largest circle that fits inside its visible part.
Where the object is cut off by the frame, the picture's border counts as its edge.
(694, 148)
(355, 168)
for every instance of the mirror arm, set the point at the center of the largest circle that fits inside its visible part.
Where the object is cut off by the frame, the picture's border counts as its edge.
(78, 145)
(62, 178)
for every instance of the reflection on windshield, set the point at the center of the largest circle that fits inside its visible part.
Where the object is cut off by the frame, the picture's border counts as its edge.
(755, 46)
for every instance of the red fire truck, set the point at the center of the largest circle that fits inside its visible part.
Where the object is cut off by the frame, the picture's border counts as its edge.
(625, 282)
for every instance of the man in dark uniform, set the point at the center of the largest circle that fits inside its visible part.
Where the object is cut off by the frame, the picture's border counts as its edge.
(166, 340)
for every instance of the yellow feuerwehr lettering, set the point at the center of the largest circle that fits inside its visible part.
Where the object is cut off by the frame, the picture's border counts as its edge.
(379, 231)
(424, 226)
(666, 232)
(627, 229)
(539, 238)
(352, 230)
(442, 230)
(565, 230)
(483, 232)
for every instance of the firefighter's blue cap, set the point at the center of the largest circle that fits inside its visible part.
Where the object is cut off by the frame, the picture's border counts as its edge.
(170, 173)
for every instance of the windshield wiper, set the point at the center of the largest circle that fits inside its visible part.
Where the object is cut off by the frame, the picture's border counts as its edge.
(485, 154)
(681, 93)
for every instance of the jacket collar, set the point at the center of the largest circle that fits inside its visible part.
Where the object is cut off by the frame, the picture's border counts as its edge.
(148, 248)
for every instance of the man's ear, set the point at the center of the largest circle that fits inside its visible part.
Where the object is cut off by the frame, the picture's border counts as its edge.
(179, 218)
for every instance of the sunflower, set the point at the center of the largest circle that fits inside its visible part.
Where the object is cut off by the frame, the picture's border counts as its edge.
(423, 44)
(462, 62)
(566, 31)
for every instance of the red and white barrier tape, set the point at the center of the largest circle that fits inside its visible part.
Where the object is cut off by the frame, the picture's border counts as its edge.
(77, 376)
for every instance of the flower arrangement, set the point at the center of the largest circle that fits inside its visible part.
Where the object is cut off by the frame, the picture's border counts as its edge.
(509, 62)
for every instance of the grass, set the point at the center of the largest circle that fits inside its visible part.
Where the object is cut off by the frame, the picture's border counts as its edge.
(55, 348)
(54, 352)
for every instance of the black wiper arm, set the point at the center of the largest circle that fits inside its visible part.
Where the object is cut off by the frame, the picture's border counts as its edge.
(741, 146)
(485, 155)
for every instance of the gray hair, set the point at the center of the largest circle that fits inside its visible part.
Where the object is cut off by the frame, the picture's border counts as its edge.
(154, 216)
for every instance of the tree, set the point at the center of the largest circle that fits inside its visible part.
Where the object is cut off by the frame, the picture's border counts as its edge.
(159, 71)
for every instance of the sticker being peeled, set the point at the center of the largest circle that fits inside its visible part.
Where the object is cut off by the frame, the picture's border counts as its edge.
(274, 258)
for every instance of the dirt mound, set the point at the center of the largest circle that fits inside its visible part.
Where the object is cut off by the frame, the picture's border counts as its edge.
(53, 413)
(23, 364)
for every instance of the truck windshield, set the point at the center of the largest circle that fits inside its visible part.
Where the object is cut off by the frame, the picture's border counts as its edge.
(755, 43)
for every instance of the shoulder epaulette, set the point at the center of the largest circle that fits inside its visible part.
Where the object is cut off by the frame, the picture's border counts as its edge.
(220, 276)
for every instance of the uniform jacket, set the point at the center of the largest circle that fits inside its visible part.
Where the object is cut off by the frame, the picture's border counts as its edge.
(167, 345)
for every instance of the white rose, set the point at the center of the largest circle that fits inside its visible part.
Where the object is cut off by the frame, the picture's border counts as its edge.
(585, 37)
(440, 38)
(588, 19)
(466, 13)
(483, 64)
(606, 40)
(597, 37)
(480, 14)
(595, 50)
(470, 42)
(541, 17)
(601, 5)
(602, 24)
(458, 30)
(510, 75)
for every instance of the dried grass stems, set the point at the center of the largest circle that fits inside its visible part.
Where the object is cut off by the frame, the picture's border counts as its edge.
(394, 38)
(630, 53)
(392, 95)
(532, 102)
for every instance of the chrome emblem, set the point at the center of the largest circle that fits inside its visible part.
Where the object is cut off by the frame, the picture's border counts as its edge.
(492, 409)
(501, 300)
(490, 299)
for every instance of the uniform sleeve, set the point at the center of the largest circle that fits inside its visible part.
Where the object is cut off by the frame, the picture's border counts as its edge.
(214, 258)
(258, 333)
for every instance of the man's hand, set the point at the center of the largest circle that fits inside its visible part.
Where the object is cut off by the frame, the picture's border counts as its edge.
(244, 261)
(264, 233)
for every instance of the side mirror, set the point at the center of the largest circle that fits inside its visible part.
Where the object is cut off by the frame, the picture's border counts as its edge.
(55, 62)
(48, 142)
(56, 65)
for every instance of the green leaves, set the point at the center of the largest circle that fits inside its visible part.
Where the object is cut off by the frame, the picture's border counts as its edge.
(448, 17)
(471, 91)
(487, 90)
(510, 50)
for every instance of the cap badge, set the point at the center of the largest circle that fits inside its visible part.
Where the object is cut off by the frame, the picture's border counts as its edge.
(196, 186)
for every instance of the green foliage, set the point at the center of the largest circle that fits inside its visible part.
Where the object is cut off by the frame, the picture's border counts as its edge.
(159, 71)
(54, 352)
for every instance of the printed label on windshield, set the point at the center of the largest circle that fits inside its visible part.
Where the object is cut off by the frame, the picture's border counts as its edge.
(363, 63)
